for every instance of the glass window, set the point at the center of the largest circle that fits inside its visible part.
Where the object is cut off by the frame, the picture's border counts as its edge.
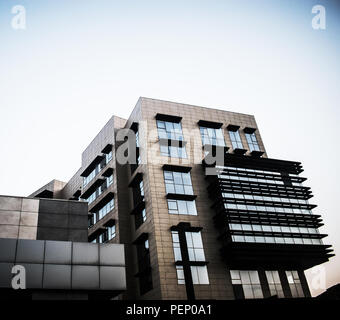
(137, 138)
(212, 136)
(108, 157)
(195, 246)
(106, 209)
(178, 182)
(195, 252)
(173, 152)
(252, 142)
(109, 180)
(176, 246)
(182, 207)
(274, 283)
(103, 237)
(180, 275)
(250, 281)
(111, 232)
(169, 130)
(199, 274)
(294, 284)
(235, 139)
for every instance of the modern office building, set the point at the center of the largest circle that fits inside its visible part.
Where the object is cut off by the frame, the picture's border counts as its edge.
(202, 211)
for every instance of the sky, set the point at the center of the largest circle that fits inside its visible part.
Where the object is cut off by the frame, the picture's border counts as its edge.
(79, 62)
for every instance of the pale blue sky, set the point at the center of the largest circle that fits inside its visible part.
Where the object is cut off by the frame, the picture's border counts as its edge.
(79, 62)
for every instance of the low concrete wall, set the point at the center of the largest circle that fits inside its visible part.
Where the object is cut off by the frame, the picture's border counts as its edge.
(64, 265)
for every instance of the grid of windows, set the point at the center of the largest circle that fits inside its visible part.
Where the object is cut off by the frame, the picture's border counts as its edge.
(169, 130)
(274, 283)
(271, 228)
(255, 171)
(182, 207)
(253, 175)
(178, 182)
(279, 240)
(249, 208)
(173, 152)
(212, 136)
(252, 142)
(235, 139)
(250, 282)
(249, 179)
(294, 284)
(264, 198)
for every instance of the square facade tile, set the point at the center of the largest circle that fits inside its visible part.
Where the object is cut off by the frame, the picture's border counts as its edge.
(85, 277)
(85, 253)
(57, 276)
(58, 252)
(30, 251)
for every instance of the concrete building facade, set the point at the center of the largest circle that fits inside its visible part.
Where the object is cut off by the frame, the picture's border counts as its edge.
(202, 211)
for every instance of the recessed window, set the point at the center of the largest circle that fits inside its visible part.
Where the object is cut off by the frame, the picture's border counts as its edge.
(108, 156)
(195, 246)
(252, 142)
(274, 283)
(182, 207)
(199, 274)
(108, 181)
(111, 232)
(212, 136)
(169, 130)
(196, 253)
(106, 209)
(235, 139)
(138, 197)
(249, 281)
(178, 182)
(144, 266)
(294, 284)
